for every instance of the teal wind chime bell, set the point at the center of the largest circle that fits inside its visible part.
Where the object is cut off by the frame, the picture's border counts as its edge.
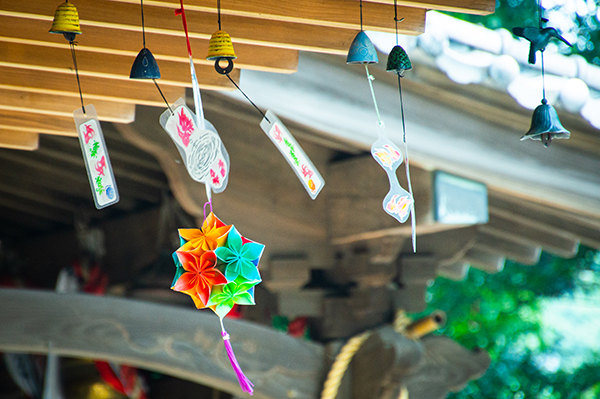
(362, 50)
(545, 125)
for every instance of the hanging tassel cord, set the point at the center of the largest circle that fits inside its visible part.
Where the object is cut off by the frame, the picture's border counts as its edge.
(370, 78)
(72, 45)
(247, 98)
(209, 203)
(245, 383)
(413, 221)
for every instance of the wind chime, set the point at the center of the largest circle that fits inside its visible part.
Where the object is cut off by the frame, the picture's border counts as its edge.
(220, 49)
(545, 124)
(145, 66)
(91, 139)
(398, 202)
(197, 140)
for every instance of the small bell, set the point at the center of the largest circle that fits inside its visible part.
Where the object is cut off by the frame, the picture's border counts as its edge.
(362, 50)
(220, 46)
(144, 66)
(398, 61)
(66, 21)
(545, 125)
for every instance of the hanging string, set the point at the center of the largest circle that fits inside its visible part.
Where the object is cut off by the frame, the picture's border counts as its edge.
(247, 98)
(163, 96)
(396, 19)
(361, 19)
(370, 78)
(211, 209)
(72, 44)
(542, 56)
(413, 221)
(219, 13)
(181, 11)
(143, 28)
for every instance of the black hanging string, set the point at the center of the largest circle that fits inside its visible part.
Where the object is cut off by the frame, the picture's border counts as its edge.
(361, 20)
(542, 56)
(219, 13)
(72, 44)
(396, 20)
(143, 27)
(163, 96)
(247, 98)
(144, 41)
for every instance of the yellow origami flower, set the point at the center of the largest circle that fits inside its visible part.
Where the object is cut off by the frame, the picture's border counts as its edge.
(212, 235)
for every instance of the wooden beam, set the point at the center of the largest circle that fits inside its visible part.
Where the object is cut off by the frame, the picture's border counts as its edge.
(520, 252)
(520, 231)
(18, 140)
(53, 105)
(160, 20)
(456, 271)
(544, 218)
(485, 260)
(33, 56)
(99, 40)
(96, 89)
(180, 342)
(477, 7)
(326, 13)
(34, 208)
(35, 123)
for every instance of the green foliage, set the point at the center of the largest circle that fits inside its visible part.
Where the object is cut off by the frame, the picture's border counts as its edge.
(501, 313)
(577, 20)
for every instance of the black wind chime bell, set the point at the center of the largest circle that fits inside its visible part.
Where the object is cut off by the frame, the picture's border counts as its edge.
(545, 125)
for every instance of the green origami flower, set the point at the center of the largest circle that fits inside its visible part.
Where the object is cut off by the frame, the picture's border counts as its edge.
(240, 257)
(224, 297)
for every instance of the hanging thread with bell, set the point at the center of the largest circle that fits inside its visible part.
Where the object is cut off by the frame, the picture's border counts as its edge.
(398, 62)
(66, 22)
(398, 202)
(545, 125)
(145, 65)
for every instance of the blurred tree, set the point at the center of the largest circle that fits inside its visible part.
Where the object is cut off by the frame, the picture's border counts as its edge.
(577, 20)
(502, 313)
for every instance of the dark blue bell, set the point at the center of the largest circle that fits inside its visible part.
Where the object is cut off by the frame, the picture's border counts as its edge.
(144, 66)
(362, 50)
(545, 125)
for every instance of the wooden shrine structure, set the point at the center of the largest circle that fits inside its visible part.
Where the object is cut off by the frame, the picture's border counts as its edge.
(481, 195)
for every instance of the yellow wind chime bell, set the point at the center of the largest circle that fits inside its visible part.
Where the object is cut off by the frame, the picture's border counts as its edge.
(66, 21)
(221, 48)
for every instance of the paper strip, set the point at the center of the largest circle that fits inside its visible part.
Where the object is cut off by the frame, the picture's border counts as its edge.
(290, 149)
(95, 154)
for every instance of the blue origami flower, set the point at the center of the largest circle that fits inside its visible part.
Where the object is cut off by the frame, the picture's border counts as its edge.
(240, 257)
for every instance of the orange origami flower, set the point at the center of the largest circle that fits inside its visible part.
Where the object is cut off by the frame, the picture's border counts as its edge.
(199, 276)
(213, 234)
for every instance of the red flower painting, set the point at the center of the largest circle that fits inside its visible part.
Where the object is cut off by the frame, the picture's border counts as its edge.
(187, 128)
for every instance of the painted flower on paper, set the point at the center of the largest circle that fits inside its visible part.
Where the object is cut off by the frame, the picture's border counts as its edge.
(399, 205)
(212, 235)
(240, 257)
(199, 275)
(224, 297)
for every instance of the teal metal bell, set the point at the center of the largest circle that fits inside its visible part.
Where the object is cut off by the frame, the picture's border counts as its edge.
(545, 125)
(362, 50)
(144, 66)
(398, 61)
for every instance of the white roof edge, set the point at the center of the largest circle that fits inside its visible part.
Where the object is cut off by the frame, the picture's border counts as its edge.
(470, 53)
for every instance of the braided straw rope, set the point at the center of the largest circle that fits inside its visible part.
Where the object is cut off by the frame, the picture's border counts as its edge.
(343, 359)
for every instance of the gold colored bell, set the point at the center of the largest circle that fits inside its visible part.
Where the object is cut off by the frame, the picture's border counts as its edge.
(66, 21)
(220, 46)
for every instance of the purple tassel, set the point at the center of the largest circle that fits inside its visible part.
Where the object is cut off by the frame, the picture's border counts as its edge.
(244, 382)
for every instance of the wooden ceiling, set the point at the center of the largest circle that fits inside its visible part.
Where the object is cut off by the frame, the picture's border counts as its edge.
(38, 91)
